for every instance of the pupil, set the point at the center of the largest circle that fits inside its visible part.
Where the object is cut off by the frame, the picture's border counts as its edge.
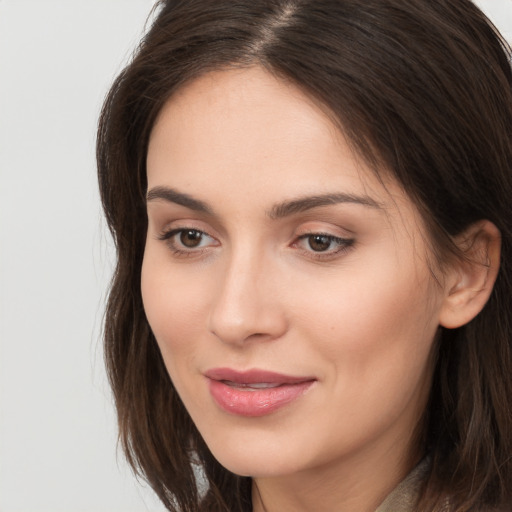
(190, 238)
(319, 242)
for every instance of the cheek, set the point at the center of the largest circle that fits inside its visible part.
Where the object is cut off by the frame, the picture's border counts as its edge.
(368, 302)
(373, 338)
(173, 309)
(374, 327)
(172, 305)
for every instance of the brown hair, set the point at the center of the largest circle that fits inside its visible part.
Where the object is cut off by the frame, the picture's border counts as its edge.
(421, 88)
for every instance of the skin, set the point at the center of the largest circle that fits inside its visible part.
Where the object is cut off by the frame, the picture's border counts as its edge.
(360, 316)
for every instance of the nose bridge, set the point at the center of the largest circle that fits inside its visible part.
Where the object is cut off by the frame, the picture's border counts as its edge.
(246, 305)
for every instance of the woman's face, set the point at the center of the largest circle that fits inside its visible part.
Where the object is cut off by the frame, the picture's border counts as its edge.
(288, 288)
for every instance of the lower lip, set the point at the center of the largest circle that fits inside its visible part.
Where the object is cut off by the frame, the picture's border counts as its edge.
(259, 402)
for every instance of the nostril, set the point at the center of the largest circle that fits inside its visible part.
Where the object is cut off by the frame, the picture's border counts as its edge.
(255, 325)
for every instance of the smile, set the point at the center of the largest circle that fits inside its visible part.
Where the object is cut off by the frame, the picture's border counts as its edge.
(256, 392)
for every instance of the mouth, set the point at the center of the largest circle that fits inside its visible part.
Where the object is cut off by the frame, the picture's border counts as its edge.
(254, 392)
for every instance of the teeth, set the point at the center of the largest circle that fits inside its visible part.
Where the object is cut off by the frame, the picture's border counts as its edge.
(255, 385)
(262, 385)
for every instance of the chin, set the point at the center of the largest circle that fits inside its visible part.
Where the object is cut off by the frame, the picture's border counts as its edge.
(265, 466)
(258, 454)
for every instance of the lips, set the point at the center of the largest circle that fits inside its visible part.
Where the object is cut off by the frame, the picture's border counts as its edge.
(255, 392)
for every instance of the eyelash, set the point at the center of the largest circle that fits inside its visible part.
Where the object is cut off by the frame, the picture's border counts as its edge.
(344, 244)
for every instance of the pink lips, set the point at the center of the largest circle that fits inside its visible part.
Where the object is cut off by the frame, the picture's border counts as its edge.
(254, 392)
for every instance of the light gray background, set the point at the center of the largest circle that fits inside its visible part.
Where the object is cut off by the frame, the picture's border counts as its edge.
(57, 427)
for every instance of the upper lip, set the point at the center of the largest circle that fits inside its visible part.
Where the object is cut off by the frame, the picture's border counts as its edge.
(254, 376)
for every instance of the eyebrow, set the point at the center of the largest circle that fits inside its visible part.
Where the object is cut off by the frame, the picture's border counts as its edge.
(173, 196)
(303, 204)
(278, 211)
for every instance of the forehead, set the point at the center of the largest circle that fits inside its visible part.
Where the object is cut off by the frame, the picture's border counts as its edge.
(225, 111)
(248, 136)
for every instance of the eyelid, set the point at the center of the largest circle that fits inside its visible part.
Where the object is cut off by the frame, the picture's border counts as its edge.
(173, 226)
(323, 226)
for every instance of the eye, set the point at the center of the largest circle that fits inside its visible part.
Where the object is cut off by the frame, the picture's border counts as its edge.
(191, 238)
(187, 240)
(324, 244)
(319, 243)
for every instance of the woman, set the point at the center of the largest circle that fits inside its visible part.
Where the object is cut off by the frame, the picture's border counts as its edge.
(311, 207)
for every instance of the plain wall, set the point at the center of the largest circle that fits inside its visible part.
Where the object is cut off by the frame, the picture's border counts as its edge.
(57, 426)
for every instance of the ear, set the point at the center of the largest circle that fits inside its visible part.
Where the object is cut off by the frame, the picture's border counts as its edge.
(470, 279)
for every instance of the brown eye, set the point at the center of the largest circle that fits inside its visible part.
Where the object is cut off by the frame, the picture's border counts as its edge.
(319, 243)
(191, 238)
(323, 245)
(188, 241)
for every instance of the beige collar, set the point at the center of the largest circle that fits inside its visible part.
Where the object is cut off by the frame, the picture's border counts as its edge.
(405, 496)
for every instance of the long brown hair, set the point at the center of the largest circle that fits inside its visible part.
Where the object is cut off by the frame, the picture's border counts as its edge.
(422, 89)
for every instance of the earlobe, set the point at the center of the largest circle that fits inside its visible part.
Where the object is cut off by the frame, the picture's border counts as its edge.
(471, 278)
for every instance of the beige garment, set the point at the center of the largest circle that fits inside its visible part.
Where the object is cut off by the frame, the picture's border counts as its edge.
(405, 497)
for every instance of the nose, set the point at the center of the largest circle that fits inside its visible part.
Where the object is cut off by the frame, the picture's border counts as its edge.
(247, 304)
